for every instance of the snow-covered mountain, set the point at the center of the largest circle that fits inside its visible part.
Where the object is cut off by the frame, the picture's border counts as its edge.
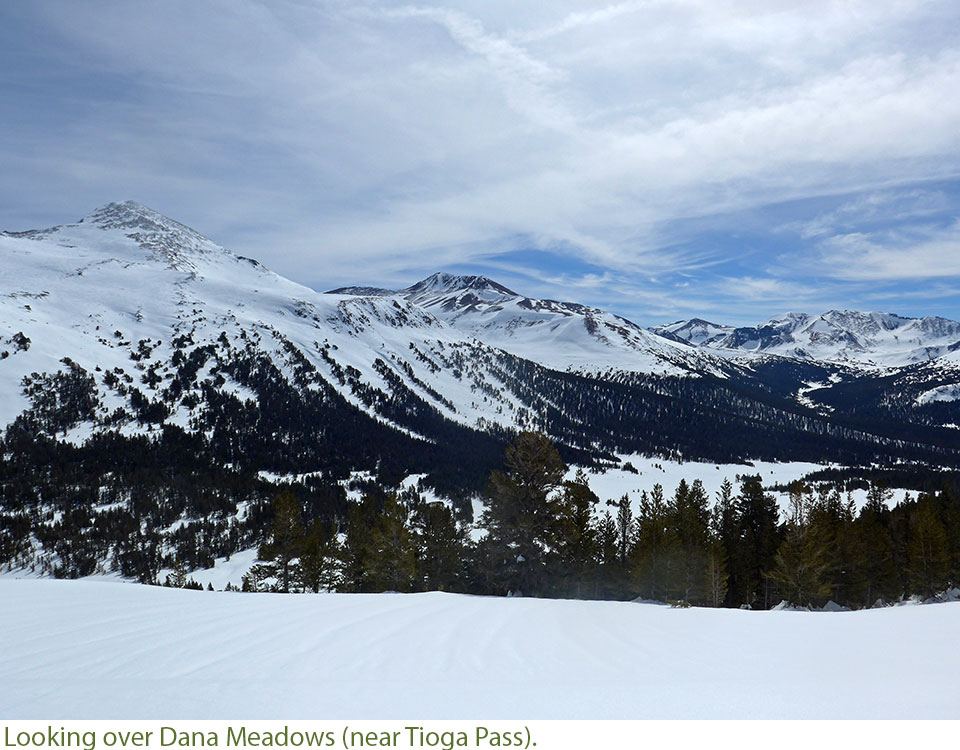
(695, 331)
(130, 322)
(128, 291)
(559, 335)
(157, 391)
(846, 336)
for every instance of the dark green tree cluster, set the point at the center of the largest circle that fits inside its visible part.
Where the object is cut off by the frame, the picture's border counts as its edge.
(544, 538)
(139, 505)
(390, 542)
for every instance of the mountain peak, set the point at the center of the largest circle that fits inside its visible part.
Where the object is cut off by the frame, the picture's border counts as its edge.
(176, 243)
(446, 282)
(132, 215)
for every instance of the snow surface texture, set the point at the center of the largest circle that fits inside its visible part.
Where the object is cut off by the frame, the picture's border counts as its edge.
(84, 650)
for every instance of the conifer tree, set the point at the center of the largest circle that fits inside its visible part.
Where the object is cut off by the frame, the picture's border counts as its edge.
(831, 522)
(392, 561)
(319, 564)
(757, 543)
(286, 537)
(948, 504)
(177, 578)
(575, 540)
(609, 557)
(653, 551)
(441, 547)
(520, 510)
(799, 564)
(715, 569)
(726, 532)
(357, 549)
(626, 530)
(875, 548)
(690, 516)
(927, 549)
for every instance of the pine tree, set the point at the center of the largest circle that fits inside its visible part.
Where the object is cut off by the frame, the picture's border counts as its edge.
(800, 564)
(178, 577)
(726, 532)
(441, 547)
(948, 504)
(654, 551)
(626, 530)
(757, 543)
(927, 549)
(715, 569)
(319, 564)
(520, 510)
(831, 522)
(285, 540)
(690, 517)
(875, 548)
(574, 545)
(610, 570)
(357, 549)
(392, 562)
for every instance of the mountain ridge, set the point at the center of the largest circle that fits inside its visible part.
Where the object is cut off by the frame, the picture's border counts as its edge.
(157, 392)
(175, 323)
(843, 336)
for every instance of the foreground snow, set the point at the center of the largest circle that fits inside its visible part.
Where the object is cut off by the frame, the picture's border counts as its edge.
(106, 650)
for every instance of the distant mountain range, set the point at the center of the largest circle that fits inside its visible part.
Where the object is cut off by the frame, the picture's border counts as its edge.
(559, 335)
(847, 336)
(572, 336)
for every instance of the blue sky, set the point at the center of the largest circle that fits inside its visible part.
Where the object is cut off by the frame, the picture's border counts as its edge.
(663, 160)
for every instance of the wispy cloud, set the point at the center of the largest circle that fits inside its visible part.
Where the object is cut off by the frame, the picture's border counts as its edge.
(579, 19)
(650, 141)
(887, 206)
(923, 253)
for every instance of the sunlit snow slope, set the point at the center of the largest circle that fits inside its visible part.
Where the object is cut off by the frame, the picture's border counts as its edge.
(85, 650)
(559, 335)
(130, 322)
(117, 288)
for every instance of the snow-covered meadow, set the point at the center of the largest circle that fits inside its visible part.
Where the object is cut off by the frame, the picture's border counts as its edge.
(84, 649)
(612, 484)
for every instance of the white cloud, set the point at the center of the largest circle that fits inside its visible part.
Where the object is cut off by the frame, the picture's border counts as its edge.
(338, 137)
(885, 206)
(928, 253)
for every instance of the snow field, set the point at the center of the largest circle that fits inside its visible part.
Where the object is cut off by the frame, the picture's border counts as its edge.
(615, 483)
(82, 649)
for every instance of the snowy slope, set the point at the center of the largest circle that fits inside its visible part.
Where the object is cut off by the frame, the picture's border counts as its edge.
(845, 336)
(559, 335)
(157, 318)
(85, 650)
(115, 289)
(695, 331)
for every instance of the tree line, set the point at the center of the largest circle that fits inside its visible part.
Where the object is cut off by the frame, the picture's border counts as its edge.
(542, 535)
